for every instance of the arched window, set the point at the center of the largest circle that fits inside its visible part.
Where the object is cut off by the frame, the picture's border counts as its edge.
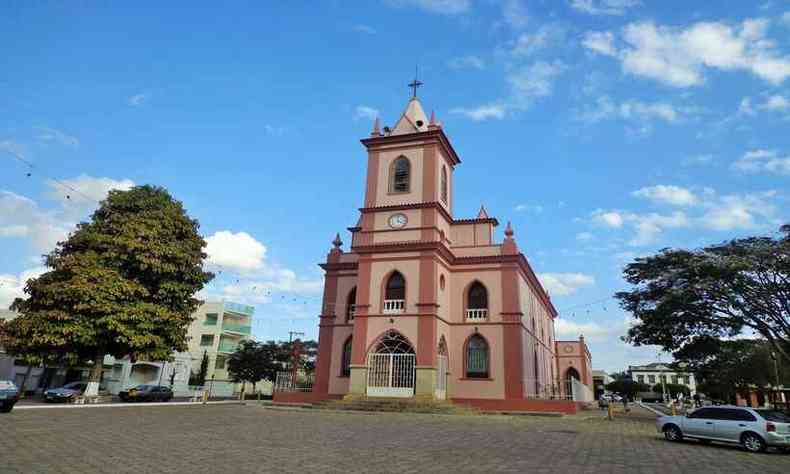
(477, 302)
(400, 174)
(351, 304)
(572, 373)
(395, 294)
(444, 184)
(477, 358)
(345, 361)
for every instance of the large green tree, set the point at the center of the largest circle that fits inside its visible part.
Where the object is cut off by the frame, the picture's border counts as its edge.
(123, 283)
(254, 361)
(724, 368)
(718, 291)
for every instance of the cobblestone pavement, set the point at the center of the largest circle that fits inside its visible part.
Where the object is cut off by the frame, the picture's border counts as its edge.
(241, 439)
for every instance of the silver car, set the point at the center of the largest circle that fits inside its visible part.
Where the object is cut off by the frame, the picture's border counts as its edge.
(755, 429)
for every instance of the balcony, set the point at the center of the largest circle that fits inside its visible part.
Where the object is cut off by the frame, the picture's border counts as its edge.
(228, 346)
(478, 314)
(236, 328)
(394, 306)
(352, 310)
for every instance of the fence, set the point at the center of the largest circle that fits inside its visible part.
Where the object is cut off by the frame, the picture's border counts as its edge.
(298, 381)
(535, 389)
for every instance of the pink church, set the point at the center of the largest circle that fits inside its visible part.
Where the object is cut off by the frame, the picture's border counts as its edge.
(429, 306)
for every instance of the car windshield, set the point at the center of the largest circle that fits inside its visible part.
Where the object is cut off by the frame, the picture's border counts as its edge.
(73, 385)
(7, 385)
(773, 415)
(143, 387)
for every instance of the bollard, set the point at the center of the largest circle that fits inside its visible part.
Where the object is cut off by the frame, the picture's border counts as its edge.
(610, 412)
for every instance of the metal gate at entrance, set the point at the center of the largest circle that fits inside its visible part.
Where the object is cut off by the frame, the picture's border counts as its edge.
(391, 375)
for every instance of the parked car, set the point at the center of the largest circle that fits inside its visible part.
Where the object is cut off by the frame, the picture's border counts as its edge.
(753, 428)
(146, 393)
(66, 393)
(9, 395)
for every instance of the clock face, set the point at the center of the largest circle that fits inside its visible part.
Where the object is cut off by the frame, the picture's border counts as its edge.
(568, 349)
(397, 220)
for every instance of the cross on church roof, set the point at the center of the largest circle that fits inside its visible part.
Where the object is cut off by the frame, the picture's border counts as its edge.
(415, 84)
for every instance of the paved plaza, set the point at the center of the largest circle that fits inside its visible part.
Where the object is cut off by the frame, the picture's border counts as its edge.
(243, 439)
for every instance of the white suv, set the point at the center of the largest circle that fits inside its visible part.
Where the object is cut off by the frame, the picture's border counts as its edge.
(754, 428)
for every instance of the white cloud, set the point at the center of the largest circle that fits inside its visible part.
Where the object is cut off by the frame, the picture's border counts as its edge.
(239, 251)
(563, 284)
(467, 62)
(592, 331)
(680, 56)
(775, 103)
(13, 286)
(22, 217)
(634, 110)
(745, 107)
(739, 211)
(365, 112)
(667, 194)
(766, 161)
(584, 236)
(138, 99)
(52, 135)
(482, 112)
(13, 148)
(601, 42)
(535, 208)
(603, 7)
(647, 227)
(535, 80)
(444, 7)
(369, 30)
(515, 13)
(613, 219)
(527, 44)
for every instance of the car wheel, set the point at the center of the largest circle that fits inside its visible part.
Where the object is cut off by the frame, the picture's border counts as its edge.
(704, 441)
(673, 433)
(753, 443)
(6, 408)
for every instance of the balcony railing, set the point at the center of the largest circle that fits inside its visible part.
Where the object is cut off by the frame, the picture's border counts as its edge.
(237, 328)
(479, 314)
(394, 306)
(228, 346)
(352, 310)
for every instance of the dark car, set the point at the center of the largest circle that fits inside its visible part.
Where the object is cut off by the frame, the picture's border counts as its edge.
(146, 393)
(9, 395)
(66, 393)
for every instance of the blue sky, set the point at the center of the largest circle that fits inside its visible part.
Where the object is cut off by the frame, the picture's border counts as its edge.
(604, 129)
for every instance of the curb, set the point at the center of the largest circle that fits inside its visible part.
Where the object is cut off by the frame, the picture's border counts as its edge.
(123, 405)
(651, 409)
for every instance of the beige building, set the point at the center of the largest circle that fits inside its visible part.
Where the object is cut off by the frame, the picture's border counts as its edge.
(218, 329)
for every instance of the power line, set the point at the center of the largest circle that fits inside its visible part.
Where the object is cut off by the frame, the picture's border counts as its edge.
(32, 167)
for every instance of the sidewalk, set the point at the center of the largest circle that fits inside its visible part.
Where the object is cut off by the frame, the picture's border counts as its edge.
(55, 406)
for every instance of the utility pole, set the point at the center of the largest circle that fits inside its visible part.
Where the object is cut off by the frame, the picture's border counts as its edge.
(776, 377)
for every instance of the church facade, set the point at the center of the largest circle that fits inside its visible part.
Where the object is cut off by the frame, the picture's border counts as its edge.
(427, 305)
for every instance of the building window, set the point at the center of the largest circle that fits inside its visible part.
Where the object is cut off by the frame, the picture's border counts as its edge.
(477, 357)
(477, 302)
(640, 378)
(351, 304)
(444, 184)
(211, 319)
(441, 282)
(651, 379)
(345, 362)
(220, 365)
(396, 287)
(675, 379)
(207, 340)
(400, 174)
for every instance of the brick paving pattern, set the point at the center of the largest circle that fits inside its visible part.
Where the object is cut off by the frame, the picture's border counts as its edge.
(245, 439)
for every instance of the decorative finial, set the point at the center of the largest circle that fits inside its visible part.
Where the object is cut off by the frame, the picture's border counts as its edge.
(432, 122)
(482, 214)
(337, 242)
(376, 128)
(414, 84)
(509, 230)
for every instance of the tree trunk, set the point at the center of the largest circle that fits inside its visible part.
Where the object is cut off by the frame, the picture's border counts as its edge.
(92, 389)
(24, 380)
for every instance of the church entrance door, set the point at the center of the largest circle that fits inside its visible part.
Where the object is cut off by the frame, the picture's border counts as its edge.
(391, 371)
(441, 377)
